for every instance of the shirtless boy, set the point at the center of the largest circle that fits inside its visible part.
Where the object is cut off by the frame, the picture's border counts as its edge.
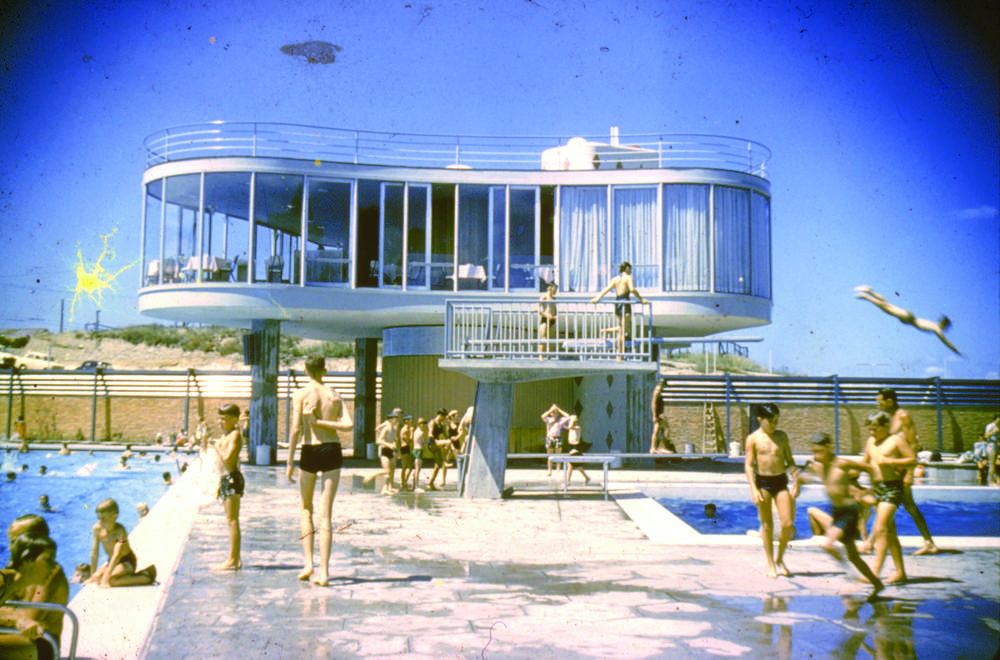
(231, 484)
(888, 455)
(547, 317)
(661, 426)
(554, 419)
(120, 569)
(419, 441)
(438, 444)
(624, 289)
(317, 415)
(768, 461)
(902, 423)
(387, 442)
(838, 475)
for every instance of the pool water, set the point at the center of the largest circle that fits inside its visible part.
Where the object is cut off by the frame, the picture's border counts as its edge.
(738, 516)
(75, 484)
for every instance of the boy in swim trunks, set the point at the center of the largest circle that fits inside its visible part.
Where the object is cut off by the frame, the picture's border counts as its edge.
(838, 475)
(318, 415)
(624, 288)
(767, 465)
(231, 484)
(888, 455)
(554, 418)
(120, 569)
(419, 440)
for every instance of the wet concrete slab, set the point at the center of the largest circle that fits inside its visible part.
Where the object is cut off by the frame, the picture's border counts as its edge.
(545, 575)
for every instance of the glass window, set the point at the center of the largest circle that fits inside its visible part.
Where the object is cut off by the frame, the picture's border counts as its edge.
(635, 235)
(278, 225)
(329, 233)
(391, 256)
(686, 237)
(524, 264)
(473, 236)
(583, 240)
(369, 244)
(498, 238)
(151, 242)
(442, 236)
(546, 233)
(732, 240)
(226, 228)
(760, 242)
(418, 210)
(180, 230)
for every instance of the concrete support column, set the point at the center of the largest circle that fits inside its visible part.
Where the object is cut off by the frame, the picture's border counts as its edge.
(263, 429)
(365, 400)
(639, 414)
(490, 437)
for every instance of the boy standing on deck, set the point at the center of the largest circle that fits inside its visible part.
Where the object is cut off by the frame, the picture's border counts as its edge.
(768, 460)
(838, 475)
(120, 571)
(888, 455)
(231, 484)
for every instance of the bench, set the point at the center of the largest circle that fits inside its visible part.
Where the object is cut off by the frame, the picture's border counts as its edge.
(605, 460)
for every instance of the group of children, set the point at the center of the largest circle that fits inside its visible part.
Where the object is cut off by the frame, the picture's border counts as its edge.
(888, 458)
(402, 443)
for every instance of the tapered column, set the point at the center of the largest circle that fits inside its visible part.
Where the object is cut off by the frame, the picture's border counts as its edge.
(365, 400)
(264, 392)
(490, 437)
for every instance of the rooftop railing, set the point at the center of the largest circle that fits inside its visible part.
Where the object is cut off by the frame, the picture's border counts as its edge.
(513, 330)
(315, 143)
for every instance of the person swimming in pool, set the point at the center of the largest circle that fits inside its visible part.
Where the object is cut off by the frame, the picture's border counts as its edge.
(772, 475)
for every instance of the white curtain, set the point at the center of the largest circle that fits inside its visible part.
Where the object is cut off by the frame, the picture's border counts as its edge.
(636, 236)
(732, 240)
(583, 228)
(685, 237)
(760, 242)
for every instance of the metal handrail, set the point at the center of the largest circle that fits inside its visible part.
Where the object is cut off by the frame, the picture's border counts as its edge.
(508, 329)
(280, 140)
(53, 607)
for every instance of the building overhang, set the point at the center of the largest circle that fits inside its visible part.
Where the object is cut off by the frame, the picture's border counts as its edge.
(334, 313)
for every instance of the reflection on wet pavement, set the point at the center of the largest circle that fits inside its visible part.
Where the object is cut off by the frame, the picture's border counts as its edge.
(432, 576)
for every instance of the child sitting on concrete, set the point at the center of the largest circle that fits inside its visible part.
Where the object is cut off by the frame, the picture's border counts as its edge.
(120, 571)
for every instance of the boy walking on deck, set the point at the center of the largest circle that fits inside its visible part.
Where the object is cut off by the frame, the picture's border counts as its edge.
(837, 475)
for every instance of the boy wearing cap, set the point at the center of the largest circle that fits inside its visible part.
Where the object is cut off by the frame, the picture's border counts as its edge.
(231, 484)
(838, 475)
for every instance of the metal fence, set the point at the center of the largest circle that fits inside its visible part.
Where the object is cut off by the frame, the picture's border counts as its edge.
(278, 140)
(190, 384)
(511, 329)
(834, 391)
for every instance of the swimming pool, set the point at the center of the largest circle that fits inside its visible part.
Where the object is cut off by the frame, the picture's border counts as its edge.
(966, 512)
(74, 485)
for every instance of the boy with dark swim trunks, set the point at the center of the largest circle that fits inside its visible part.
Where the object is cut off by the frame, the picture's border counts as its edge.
(317, 416)
(838, 475)
(767, 464)
(120, 571)
(888, 455)
(231, 484)
(624, 288)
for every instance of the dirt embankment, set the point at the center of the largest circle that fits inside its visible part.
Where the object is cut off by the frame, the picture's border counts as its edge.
(71, 349)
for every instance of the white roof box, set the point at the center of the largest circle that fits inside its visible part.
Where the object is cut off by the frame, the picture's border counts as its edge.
(581, 154)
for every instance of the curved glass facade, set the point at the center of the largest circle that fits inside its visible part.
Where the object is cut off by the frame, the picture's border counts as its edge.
(437, 230)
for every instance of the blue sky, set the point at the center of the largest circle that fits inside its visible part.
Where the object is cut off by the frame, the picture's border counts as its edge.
(882, 118)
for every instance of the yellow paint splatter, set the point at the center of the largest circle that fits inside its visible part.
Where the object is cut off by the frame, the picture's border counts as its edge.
(93, 280)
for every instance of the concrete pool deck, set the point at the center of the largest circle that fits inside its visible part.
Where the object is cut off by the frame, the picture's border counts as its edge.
(538, 575)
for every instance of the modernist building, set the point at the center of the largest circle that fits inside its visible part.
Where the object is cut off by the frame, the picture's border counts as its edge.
(329, 233)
